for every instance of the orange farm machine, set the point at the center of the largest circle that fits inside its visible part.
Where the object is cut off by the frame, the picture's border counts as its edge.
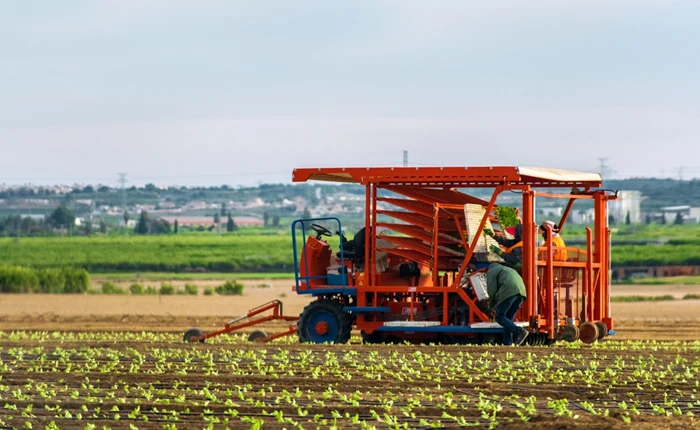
(416, 272)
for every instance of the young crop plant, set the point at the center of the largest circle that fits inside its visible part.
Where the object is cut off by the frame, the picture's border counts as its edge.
(191, 289)
(111, 288)
(166, 289)
(152, 377)
(230, 288)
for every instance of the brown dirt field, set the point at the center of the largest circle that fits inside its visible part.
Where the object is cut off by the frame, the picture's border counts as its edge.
(103, 379)
(669, 320)
(677, 291)
(91, 372)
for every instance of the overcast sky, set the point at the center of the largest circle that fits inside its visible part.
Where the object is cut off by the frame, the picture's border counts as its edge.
(237, 92)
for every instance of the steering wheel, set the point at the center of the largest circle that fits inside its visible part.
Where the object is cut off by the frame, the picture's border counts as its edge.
(321, 231)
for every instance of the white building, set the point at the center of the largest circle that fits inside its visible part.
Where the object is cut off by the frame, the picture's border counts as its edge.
(694, 215)
(671, 212)
(628, 202)
(582, 217)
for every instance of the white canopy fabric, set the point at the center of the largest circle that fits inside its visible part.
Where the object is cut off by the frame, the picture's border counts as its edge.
(558, 175)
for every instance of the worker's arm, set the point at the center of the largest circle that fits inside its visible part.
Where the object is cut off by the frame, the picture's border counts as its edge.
(505, 242)
(514, 258)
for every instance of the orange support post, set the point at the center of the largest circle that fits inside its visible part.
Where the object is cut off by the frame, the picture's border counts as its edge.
(472, 246)
(368, 239)
(588, 286)
(436, 237)
(529, 254)
(565, 215)
(599, 254)
(372, 253)
(548, 285)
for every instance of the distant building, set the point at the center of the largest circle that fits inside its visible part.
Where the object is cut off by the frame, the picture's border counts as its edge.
(552, 213)
(671, 212)
(35, 217)
(582, 217)
(628, 202)
(206, 221)
(694, 215)
(196, 205)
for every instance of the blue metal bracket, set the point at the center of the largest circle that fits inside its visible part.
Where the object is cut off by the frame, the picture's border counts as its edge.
(297, 278)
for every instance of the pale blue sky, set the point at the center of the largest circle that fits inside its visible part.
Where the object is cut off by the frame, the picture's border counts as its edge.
(216, 91)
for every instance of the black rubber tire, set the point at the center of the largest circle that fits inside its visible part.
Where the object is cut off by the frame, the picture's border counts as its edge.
(588, 332)
(256, 336)
(192, 333)
(569, 333)
(489, 339)
(343, 318)
(372, 339)
(602, 329)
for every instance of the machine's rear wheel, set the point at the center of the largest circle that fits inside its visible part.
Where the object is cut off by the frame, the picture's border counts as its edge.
(371, 339)
(488, 339)
(602, 329)
(191, 335)
(588, 332)
(257, 336)
(324, 321)
(569, 333)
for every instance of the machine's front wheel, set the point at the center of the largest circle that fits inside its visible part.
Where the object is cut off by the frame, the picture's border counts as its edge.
(324, 321)
(191, 335)
(257, 336)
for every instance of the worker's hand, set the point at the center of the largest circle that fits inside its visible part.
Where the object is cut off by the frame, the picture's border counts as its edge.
(495, 249)
(488, 232)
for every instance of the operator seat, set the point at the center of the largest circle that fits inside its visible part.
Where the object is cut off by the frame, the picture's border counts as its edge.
(354, 249)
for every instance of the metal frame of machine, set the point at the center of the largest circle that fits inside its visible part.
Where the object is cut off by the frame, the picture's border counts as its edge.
(436, 301)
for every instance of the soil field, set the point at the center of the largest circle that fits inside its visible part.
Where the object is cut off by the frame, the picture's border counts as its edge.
(90, 361)
(152, 380)
(667, 320)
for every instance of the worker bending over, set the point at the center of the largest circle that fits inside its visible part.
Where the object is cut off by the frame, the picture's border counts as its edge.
(506, 292)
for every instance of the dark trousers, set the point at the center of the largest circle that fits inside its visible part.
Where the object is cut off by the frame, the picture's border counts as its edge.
(505, 312)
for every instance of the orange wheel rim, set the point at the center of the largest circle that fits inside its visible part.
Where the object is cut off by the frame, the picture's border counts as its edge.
(322, 327)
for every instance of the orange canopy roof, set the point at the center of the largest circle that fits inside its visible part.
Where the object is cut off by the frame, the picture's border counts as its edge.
(450, 176)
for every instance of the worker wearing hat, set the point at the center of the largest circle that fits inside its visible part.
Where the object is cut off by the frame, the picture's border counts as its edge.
(513, 253)
(557, 241)
(506, 291)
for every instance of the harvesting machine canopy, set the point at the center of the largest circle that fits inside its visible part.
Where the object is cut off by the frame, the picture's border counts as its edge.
(416, 271)
(455, 177)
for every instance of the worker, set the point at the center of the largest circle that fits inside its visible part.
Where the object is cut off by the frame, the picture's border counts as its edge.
(557, 241)
(506, 291)
(513, 254)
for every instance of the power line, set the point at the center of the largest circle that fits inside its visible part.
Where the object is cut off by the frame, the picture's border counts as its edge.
(405, 158)
(685, 169)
